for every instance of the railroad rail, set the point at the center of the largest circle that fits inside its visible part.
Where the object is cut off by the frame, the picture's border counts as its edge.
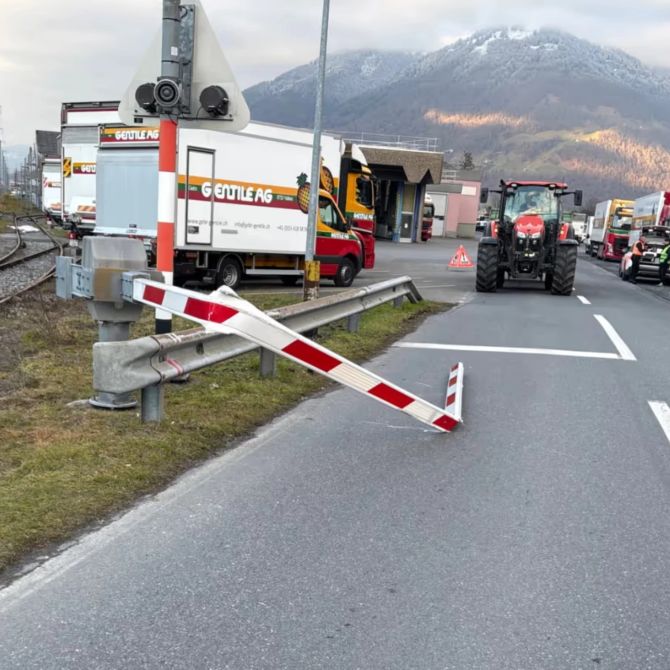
(27, 264)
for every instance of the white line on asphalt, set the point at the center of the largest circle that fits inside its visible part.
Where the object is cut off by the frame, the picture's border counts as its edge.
(625, 353)
(511, 350)
(662, 413)
(583, 300)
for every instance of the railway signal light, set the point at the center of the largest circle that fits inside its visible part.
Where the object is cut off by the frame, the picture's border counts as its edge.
(214, 100)
(145, 97)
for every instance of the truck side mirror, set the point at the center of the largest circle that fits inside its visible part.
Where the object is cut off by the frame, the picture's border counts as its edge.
(484, 196)
(579, 195)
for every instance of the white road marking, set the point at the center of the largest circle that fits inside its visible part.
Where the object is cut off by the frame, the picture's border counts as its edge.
(583, 300)
(625, 353)
(662, 413)
(511, 350)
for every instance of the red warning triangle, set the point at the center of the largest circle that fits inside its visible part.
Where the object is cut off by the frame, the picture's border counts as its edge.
(461, 259)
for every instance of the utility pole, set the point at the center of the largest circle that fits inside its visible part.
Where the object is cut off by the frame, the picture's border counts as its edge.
(167, 159)
(312, 267)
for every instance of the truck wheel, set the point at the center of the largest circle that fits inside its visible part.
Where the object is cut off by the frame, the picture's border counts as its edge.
(564, 270)
(487, 268)
(548, 281)
(229, 272)
(345, 273)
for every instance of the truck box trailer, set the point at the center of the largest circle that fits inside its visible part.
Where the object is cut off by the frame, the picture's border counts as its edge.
(241, 206)
(652, 210)
(127, 182)
(80, 122)
(51, 189)
(612, 224)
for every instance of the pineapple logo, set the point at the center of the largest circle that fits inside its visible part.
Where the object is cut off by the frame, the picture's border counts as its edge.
(327, 181)
(303, 193)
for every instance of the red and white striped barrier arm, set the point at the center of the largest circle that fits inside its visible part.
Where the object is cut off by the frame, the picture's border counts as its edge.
(225, 312)
(454, 400)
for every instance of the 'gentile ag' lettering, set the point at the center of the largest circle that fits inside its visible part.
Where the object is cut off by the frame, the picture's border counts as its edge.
(236, 193)
(137, 135)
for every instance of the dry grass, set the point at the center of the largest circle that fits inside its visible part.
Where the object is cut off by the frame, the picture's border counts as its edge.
(63, 468)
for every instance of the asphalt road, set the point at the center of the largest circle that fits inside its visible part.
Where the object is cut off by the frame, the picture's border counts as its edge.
(345, 535)
(426, 263)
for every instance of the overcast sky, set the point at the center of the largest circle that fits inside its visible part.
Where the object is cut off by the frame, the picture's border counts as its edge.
(53, 51)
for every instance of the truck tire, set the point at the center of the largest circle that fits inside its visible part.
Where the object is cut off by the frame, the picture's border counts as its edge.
(564, 270)
(229, 272)
(346, 272)
(487, 268)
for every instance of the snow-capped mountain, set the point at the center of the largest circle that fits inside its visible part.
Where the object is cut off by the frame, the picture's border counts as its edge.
(524, 102)
(290, 97)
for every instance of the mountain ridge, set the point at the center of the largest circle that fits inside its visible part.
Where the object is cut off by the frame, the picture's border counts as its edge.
(525, 102)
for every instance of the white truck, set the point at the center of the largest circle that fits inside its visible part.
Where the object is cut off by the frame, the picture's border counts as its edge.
(652, 210)
(579, 225)
(51, 189)
(80, 122)
(242, 202)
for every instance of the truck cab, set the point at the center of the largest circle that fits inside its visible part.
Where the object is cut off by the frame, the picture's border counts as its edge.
(427, 219)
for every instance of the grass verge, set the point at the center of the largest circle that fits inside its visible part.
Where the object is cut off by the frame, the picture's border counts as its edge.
(63, 468)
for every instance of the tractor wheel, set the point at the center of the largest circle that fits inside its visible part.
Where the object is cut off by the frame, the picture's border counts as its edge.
(564, 270)
(548, 281)
(487, 268)
(500, 279)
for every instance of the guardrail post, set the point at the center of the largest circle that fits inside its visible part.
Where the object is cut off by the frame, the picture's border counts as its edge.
(397, 302)
(268, 363)
(109, 331)
(354, 323)
(152, 403)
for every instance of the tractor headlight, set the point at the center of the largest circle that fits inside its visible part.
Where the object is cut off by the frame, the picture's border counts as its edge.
(536, 236)
(521, 236)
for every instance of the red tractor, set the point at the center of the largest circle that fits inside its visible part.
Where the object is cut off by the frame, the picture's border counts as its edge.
(529, 241)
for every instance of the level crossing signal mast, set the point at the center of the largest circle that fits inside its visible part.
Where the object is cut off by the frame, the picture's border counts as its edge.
(184, 79)
(185, 74)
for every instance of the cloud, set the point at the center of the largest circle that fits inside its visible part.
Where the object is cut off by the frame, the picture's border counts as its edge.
(51, 52)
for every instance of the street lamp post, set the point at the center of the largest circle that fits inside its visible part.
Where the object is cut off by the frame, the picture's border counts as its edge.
(312, 267)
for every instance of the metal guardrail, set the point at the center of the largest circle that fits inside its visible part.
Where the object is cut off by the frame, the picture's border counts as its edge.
(144, 363)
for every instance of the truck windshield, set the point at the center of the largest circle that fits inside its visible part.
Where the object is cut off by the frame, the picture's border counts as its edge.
(364, 193)
(329, 215)
(531, 200)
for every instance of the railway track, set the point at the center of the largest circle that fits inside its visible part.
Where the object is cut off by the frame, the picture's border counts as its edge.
(27, 260)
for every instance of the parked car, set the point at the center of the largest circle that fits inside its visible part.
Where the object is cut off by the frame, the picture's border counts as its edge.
(656, 238)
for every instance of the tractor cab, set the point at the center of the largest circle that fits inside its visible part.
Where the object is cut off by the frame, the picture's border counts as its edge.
(529, 241)
(529, 214)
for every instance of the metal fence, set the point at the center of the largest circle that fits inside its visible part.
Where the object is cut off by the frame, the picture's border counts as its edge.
(384, 140)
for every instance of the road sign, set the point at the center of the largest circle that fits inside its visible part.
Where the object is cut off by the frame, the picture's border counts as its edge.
(209, 69)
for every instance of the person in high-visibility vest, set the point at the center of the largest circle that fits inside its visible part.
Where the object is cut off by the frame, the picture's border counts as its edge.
(638, 250)
(663, 260)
